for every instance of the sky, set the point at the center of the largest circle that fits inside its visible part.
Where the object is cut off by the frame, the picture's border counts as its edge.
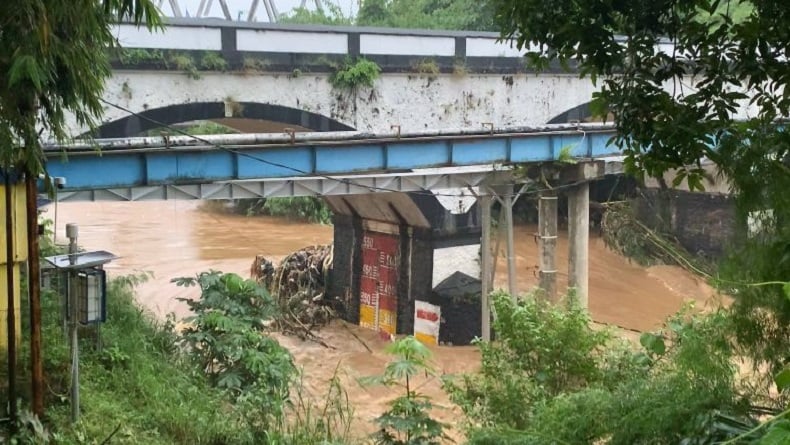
(348, 7)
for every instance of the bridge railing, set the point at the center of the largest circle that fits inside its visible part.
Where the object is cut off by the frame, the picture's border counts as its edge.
(229, 37)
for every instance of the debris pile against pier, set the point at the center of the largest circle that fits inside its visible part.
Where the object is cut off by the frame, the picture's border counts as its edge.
(298, 284)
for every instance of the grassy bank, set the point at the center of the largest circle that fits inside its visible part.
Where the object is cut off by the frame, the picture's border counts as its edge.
(138, 385)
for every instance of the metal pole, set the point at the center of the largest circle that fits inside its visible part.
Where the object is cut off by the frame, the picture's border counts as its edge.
(547, 220)
(485, 269)
(10, 315)
(72, 231)
(34, 280)
(511, 254)
(579, 241)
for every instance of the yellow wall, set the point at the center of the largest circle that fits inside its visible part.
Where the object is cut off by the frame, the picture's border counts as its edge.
(20, 256)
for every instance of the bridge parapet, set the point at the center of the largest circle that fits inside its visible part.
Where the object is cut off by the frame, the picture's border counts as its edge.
(393, 49)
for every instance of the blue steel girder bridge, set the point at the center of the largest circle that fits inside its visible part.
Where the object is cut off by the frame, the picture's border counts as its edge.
(342, 163)
(238, 166)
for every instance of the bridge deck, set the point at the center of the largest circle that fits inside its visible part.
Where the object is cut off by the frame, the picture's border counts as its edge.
(150, 166)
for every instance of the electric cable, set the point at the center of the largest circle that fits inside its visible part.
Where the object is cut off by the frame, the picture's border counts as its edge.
(344, 181)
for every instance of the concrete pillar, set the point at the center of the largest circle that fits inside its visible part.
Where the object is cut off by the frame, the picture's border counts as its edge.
(507, 207)
(547, 244)
(486, 265)
(579, 240)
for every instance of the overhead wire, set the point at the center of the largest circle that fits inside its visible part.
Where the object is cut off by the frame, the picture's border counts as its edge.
(345, 181)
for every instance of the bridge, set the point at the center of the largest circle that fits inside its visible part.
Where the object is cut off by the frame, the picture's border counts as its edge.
(303, 134)
(265, 77)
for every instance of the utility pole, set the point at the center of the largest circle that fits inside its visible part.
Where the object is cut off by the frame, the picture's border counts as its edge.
(34, 286)
(11, 313)
(72, 231)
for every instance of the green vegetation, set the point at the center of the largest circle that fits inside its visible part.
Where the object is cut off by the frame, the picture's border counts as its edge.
(407, 422)
(355, 74)
(136, 56)
(725, 56)
(331, 14)
(213, 61)
(185, 62)
(468, 15)
(222, 380)
(254, 64)
(551, 378)
(304, 208)
(426, 66)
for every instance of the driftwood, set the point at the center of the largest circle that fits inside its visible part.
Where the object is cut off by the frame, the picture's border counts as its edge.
(298, 284)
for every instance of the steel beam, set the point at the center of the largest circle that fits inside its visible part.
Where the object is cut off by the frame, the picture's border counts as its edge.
(184, 161)
(340, 185)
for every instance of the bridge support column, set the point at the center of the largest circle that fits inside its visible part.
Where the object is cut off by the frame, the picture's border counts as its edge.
(486, 269)
(547, 243)
(579, 240)
(507, 207)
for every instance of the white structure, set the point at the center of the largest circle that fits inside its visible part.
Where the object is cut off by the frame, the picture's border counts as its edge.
(482, 82)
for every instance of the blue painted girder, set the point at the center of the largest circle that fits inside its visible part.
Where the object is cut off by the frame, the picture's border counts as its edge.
(141, 162)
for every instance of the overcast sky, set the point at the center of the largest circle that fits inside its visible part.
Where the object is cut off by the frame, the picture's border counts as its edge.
(348, 7)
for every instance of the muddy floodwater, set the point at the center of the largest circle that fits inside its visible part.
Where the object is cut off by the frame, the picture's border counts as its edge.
(176, 238)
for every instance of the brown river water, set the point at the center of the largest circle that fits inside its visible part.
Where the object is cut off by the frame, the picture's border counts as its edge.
(177, 238)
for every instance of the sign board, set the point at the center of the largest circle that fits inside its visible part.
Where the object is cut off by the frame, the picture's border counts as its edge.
(427, 319)
(378, 300)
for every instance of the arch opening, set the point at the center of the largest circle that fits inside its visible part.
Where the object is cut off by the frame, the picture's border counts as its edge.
(579, 113)
(244, 117)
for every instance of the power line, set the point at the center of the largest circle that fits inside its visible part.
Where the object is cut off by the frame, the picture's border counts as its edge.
(344, 181)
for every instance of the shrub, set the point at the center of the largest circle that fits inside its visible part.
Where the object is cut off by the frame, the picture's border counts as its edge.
(550, 378)
(355, 74)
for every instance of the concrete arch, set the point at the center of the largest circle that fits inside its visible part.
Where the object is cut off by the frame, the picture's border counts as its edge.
(173, 114)
(579, 113)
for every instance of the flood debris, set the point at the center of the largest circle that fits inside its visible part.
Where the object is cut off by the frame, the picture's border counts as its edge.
(298, 284)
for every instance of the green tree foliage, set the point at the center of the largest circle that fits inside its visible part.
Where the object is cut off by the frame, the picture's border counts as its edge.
(303, 208)
(53, 61)
(550, 378)
(677, 106)
(330, 14)
(468, 15)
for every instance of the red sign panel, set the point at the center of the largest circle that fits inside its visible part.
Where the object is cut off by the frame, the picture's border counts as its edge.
(378, 306)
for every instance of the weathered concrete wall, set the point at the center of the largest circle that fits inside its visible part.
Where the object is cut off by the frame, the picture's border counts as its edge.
(341, 284)
(704, 223)
(412, 101)
(449, 260)
(415, 284)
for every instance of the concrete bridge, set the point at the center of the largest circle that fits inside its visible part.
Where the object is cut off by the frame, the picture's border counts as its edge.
(280, 76)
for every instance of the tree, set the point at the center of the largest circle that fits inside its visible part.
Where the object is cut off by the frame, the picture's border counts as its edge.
(330, 14)
(468, 15)
(52, 62)
(687, 80)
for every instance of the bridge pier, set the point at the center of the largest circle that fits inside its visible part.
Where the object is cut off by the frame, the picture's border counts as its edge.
(486, 269)
(547, 243)
(579, 240)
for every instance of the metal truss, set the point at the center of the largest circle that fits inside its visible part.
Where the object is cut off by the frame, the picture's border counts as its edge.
(204, 9)
(308, 186)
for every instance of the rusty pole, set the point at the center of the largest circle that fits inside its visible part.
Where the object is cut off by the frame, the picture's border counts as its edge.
(34, 285)
(11, 314)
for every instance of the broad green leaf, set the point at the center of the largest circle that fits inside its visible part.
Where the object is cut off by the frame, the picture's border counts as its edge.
(782, 379)
(653, 343)
(786, 289)
(778, 434)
